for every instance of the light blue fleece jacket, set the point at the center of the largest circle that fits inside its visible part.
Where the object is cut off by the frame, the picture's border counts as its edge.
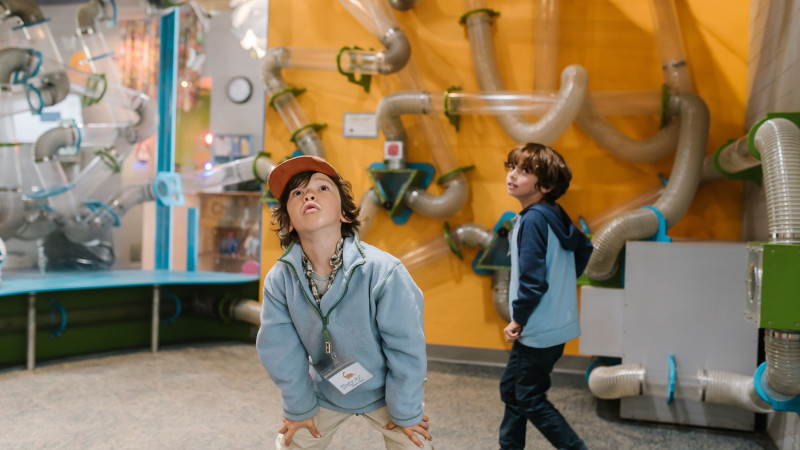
(373, 312)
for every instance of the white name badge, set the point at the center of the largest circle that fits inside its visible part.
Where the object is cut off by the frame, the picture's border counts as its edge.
(349, 378)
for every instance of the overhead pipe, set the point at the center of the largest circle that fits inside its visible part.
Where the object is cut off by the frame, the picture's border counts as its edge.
(236, 171)
(778, 142)
(676, 78)
(545, 45)
(389, 110)
(574, 87)
(672, 204)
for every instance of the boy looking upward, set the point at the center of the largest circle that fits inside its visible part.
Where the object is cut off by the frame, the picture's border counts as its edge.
(548, 253)
(341, 324)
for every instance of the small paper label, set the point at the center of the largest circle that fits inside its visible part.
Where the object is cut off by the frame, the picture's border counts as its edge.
(349, 378)
(360, 125)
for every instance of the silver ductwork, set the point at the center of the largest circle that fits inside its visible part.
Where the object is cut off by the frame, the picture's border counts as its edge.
(674, 201)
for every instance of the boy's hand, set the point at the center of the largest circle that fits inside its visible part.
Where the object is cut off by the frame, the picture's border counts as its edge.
(511, 331)
(291, 426)
(421, 428)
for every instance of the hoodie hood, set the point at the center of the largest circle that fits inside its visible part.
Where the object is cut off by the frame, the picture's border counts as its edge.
(568, 234)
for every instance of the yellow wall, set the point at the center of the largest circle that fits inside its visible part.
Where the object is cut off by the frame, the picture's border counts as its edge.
(613, 40)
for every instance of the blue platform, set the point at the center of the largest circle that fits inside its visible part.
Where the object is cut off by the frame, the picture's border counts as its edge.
(70, 281)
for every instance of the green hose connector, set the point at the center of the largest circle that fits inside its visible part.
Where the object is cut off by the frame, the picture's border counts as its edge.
(463, 19)
(447, 175)
(255, 162)
(295, 91)
(753, 174)
(364, 81)
(453, 248)
(455, 119)
(664, 101)
(109, 160)
(314, 126)
(91, 84)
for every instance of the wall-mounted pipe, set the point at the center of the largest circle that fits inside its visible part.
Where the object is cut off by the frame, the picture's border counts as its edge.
(99, 221)
(368, 209)
(237, 171)
(731, 389)
(283, 99)
(778, 142)
(545, 45)
(672, 204)
(402, 5)
(624, 380)
(51, 175)
(26, 10)
(390, 108)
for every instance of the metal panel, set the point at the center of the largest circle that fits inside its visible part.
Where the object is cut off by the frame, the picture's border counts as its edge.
(686, 299)
(601, 321)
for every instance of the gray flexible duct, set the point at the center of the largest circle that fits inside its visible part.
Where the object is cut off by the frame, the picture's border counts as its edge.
(14, 60)
(54, 88)
(402, 5)
(91, 226)
(147, 124)
(672, 204)
(731, 389)
(367, 210)
(87, 14)
(27, 10)
(286, 103)
(37, 222)
(571, 96)
(778, 142)
(624, 380)
(500, 283)
(397, 52)
(12, 209)
(473, 235)
(50, 141)
(388, 113)
(246, 310)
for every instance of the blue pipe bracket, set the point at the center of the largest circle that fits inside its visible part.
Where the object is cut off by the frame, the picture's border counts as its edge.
(671, 381)
(63, 313)
(779, 402)
(168, 190)
(661, 234)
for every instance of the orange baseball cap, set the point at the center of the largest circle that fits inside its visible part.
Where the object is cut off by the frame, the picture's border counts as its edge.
(284, 171)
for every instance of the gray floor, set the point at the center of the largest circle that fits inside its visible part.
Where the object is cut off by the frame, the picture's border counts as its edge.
(218, 397)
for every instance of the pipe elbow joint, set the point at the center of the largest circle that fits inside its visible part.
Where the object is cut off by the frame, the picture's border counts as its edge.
(27, 10)
(55, 87)
(778, 401)
(397, 52)
(443, 206)
(274, 60)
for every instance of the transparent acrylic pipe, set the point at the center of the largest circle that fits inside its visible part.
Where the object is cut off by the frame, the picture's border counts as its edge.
(99, 60)
(350, 61)
(38, 36)
(10, 176)
(608, 103)
(15, 102)
(8, 134)
(545, 45)
(670, 45)
(221, 175)
(645, 197)
(375, 15)
(53, 179)
(428, 252)
(736, 157)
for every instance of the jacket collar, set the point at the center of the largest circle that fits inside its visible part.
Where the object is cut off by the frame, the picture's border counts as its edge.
(352, 255)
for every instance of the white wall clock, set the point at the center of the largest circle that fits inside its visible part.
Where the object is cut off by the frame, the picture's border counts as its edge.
(239, 89)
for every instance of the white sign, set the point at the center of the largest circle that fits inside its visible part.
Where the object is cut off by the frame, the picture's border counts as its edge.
(360, 125)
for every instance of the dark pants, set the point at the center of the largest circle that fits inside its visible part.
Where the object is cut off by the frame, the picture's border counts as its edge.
(523, 388)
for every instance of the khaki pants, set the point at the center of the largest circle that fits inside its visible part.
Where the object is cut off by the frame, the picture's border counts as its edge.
(328, 422)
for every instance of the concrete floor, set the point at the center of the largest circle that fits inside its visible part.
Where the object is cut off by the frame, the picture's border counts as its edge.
(218, 396)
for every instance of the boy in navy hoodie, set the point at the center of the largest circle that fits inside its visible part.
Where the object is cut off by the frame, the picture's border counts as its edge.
(548, 253)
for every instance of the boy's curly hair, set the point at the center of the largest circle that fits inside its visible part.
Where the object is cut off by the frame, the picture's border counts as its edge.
(544, 162)
(280, 215)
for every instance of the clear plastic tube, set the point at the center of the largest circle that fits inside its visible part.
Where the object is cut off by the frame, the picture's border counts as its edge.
(645, 197)
(736, 157)
(350, 60)
(537, 103)
(290, 111)
(429, 251)
(545, 45)
(40, 37)
(10, 176)
(375, 15)
(12, 103)
(670, 45)
(8, 134)
(232, 172)
(99, 60)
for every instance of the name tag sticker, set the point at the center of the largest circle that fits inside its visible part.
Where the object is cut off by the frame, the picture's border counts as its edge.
(349, 378)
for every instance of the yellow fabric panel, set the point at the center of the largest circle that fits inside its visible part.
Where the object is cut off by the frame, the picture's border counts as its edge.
(613, 40)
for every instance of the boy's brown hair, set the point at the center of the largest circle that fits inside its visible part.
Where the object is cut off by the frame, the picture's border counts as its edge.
(280, 215)
(544, 162)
